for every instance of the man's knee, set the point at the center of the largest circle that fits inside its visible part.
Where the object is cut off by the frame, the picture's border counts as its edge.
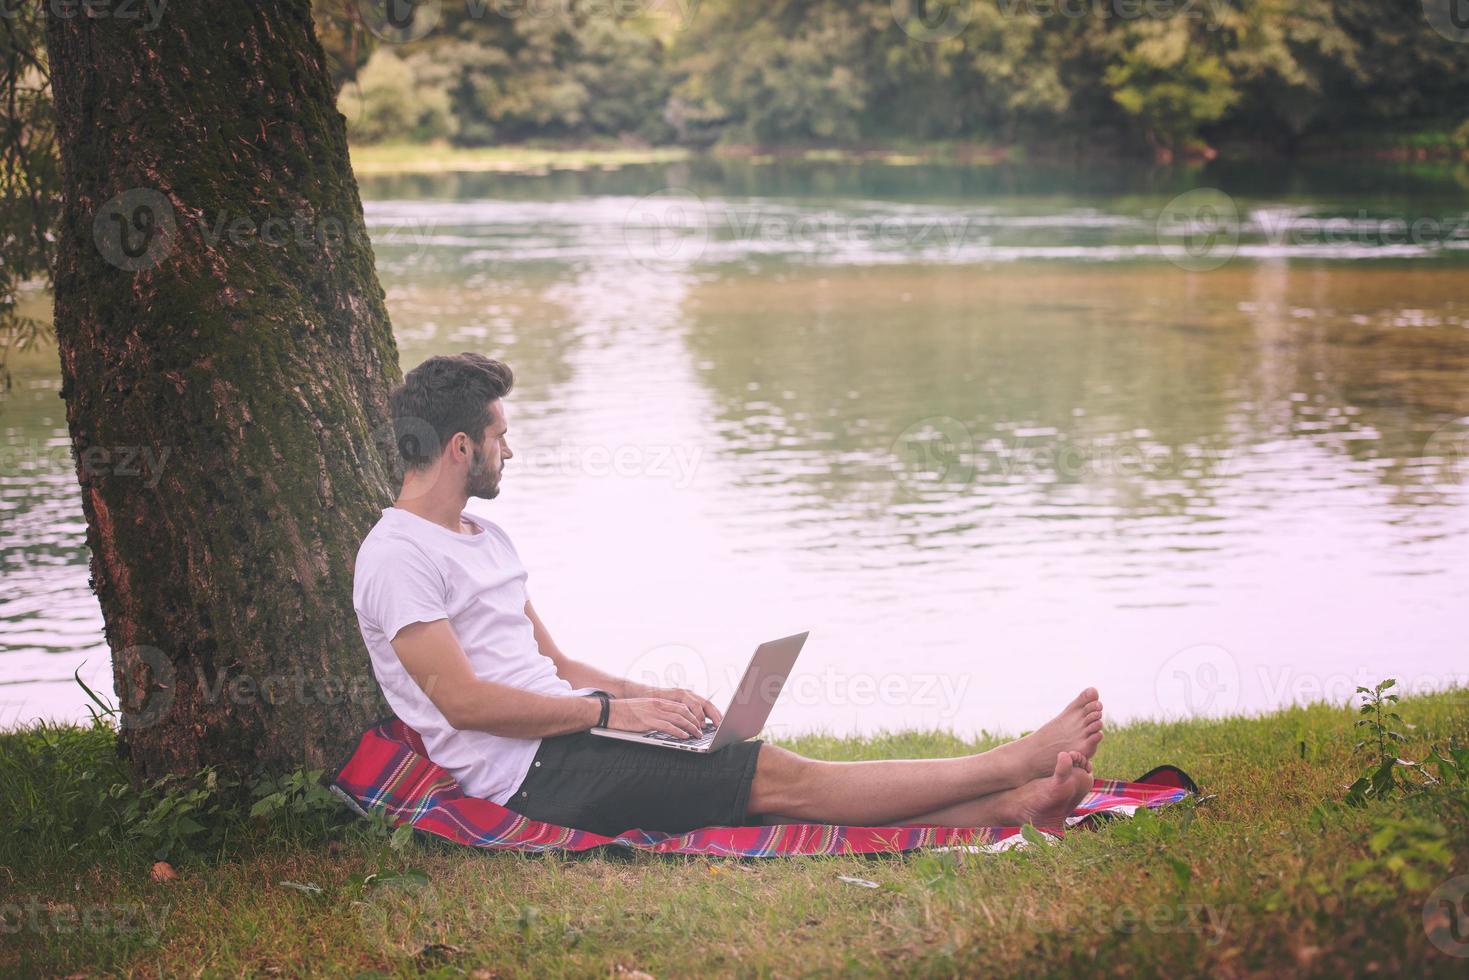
(780, 777)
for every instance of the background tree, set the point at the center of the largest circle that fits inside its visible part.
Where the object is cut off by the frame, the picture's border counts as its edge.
(29, 179)
(217, 306)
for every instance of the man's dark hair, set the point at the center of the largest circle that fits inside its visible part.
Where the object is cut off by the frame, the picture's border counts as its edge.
(445, 394)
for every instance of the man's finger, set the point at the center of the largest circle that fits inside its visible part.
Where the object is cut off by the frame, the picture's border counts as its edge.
(682, 717)
(711, 712)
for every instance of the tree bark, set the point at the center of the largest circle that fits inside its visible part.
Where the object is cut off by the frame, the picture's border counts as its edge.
(225, 356)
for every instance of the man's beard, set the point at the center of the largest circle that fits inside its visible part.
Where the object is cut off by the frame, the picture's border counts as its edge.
(481, 481)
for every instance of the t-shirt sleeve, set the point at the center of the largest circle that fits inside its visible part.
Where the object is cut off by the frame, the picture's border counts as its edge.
(396, 585)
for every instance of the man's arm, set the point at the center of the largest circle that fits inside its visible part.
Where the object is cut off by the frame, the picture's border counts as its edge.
(576, 673)
(579, 674)
(431, 654)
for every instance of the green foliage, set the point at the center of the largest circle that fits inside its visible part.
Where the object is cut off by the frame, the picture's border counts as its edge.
(1379, 724)
(843, 72)
(1169, 81)
(1416, 852)
(29, 176)
(388, 101)
(1164, 836)
(68, 793)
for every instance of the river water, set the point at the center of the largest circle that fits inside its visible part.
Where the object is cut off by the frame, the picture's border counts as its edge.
(991, 434)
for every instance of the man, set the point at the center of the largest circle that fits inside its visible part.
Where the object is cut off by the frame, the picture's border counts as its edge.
(463, 658)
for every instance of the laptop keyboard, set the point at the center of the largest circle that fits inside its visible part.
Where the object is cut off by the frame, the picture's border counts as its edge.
(688, 739)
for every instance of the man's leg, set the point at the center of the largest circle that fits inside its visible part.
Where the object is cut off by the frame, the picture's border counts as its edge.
(1044, 802)
(790, 786)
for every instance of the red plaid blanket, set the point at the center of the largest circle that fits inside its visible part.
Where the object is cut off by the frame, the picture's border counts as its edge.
(390, 769)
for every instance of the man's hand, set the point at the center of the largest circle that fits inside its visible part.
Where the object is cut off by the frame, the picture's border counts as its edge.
(698, 706)
(654, 715)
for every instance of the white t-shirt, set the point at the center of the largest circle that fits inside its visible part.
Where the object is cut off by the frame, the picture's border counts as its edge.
(411, 570)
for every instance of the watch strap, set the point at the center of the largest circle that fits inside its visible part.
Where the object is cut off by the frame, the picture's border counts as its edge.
(606, 700)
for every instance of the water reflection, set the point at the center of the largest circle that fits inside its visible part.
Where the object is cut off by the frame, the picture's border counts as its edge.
(981, 478)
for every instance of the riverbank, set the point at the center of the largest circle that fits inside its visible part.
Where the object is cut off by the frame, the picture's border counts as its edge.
(417, 158)
(1269, 876)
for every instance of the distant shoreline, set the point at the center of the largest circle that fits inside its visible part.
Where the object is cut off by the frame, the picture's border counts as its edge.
(399, 159)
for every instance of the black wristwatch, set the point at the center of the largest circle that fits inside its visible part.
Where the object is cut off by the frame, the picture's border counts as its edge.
(606, 700)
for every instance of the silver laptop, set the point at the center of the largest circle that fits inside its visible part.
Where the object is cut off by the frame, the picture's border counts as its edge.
(747, 711)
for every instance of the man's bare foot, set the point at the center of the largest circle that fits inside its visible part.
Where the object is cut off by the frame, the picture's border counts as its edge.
(1047, 802)
(1078, 728)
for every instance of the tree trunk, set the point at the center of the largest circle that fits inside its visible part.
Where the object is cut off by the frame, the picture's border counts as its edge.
(225, 356)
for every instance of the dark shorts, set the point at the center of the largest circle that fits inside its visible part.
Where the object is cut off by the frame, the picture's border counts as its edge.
(607, 785)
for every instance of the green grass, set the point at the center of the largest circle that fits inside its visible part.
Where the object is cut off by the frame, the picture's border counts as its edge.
(1260, 879)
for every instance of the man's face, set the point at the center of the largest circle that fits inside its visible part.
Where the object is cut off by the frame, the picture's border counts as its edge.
(488, 458)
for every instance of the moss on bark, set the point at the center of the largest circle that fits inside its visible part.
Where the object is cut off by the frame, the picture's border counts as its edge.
(252, 355)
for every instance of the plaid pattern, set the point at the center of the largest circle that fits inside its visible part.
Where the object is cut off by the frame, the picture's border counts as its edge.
(390, 768)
